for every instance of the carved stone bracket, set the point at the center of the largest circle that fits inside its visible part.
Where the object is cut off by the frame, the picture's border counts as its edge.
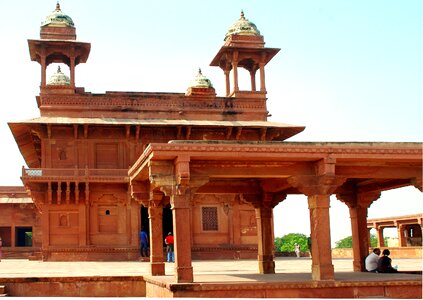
(361, 200)
(316, 185)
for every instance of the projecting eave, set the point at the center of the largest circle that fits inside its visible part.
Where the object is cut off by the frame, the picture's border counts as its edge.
(222, 56)
(29, 132)
(52, 48)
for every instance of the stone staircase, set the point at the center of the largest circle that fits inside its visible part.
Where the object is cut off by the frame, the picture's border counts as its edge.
(3, 291)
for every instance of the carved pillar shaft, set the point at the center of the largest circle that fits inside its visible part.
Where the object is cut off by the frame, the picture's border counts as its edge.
(380, 239)
(401, 236)
(358, 204)
(253, 80)
(360, 237)
(322, 267)
(182, 238)
(262, 78)
(43, 71)
(265, 240)
(235, 70)
(72, 71)
(155, 215)
(228, 82)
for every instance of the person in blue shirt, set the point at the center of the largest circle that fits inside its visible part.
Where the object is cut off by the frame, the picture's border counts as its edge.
(143, 243)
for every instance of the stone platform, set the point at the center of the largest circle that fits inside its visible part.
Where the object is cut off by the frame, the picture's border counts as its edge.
(225, 278)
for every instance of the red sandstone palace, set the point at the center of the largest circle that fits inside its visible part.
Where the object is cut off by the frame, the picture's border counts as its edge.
(209, 168)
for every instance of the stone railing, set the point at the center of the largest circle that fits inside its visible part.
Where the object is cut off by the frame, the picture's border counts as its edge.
(86, 174)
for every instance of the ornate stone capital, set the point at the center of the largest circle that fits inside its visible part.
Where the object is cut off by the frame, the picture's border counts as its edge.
(358, 200)
(316, 184)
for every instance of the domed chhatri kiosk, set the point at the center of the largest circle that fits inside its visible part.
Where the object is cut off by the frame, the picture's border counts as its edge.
(208, 168)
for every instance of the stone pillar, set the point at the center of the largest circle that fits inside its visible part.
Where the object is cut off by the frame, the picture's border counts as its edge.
(43, 71)
(318, 188)
(228, 82)
(379, 234)
(235, 70)
(262, 79)
(155, 216)
(182, 236)
(358, 205)
(253, 80)
(265, 236)
(72, 71)
(401, 236)
(322, 267)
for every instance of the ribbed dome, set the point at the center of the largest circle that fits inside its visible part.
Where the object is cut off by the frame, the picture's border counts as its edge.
(58, 18)
(242, 27)
(201, 81)
(58, 78)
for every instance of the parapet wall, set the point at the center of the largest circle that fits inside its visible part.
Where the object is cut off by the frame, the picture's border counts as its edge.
(396, 252)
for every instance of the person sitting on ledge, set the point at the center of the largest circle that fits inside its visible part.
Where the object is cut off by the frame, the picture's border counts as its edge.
(384, 263)
(372, 260)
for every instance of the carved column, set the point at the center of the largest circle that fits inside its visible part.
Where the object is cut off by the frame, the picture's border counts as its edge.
(262, 79)
(318, 188)
(235, 70)
(379, 234)
(264, 216)
(227, 81)
(43, 69)
(155, 216)
(253, 79)
(182, 236)
(358, 205)
(180, 202)
(401, 235)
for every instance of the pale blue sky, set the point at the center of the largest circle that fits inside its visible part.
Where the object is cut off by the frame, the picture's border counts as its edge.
(347, 70)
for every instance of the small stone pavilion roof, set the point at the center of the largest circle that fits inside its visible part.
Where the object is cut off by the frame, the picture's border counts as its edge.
(201, 81)
(58, 78)
(242, 27)
(58, 19)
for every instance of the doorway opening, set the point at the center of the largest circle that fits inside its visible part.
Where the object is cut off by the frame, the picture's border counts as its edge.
(167, 222)
(23, 236)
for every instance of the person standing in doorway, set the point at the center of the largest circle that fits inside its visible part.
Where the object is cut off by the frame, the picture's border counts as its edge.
(143, 243)
(169, 247)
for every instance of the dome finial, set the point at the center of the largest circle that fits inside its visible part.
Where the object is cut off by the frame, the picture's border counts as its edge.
(59, 70)
(242, 27)
(199, 71)
(58, 6)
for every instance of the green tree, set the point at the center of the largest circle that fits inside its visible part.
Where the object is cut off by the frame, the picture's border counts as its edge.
(344, 243)
(287, 242)
(347, 242)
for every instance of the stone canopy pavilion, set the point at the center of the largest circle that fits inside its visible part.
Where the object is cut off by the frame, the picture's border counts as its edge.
(209, 168)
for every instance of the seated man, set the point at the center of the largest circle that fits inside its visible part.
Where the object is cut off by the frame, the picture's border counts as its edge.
(372, 260)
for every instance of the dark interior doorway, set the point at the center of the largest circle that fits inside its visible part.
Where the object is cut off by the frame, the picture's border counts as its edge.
(167, 220)
(145, 223)
(23, 236)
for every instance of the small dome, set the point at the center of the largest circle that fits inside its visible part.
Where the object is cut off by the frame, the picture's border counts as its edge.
(58, 18)
(201, 81)
(242, 27)
(58, 78)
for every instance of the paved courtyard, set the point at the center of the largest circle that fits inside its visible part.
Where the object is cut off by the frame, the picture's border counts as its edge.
(15, 268)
